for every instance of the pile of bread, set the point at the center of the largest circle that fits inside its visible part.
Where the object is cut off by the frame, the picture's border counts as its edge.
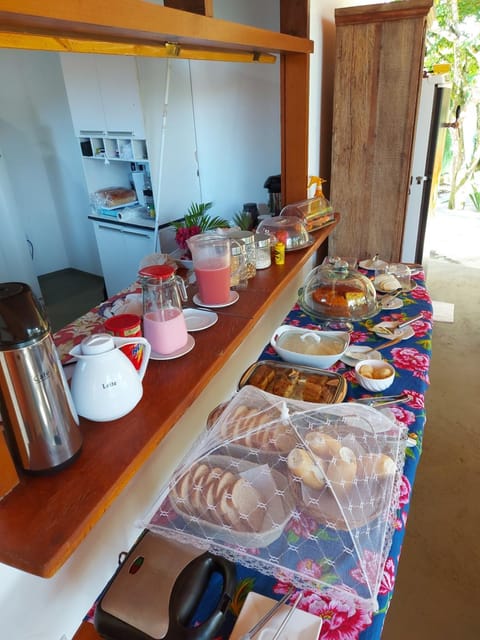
(387, 282)
(290, 382)
(219, 496)
(258, 429)
(328, 458)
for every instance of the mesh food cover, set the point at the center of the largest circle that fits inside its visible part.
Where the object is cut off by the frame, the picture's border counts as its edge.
(305, 493)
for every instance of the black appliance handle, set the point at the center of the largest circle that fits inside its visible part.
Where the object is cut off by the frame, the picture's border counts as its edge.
(187, 593)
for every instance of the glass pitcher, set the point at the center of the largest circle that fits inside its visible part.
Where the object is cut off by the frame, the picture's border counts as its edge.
(164, 324)
(212, 263)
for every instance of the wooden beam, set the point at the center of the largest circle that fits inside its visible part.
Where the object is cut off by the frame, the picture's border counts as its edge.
(138, 22)
(295, 17)
(294, 83)
(202, 7)
(166, 50)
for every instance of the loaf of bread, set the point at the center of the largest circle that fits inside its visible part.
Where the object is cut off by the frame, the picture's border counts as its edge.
(115, 197)
(220, 497)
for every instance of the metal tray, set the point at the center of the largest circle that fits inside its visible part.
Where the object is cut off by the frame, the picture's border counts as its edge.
(332, 386)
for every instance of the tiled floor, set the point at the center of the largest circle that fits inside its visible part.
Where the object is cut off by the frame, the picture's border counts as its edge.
(69, 293)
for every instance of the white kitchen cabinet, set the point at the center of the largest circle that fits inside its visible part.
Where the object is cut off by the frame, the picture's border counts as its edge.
(103, 94)
(121, 249)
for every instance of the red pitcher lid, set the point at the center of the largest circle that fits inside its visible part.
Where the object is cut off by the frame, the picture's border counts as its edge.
(157, 271)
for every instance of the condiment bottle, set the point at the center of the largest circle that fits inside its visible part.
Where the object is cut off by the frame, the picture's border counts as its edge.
(279, 252)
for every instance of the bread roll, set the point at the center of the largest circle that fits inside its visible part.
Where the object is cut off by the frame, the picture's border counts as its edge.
(342, 469)
(376, 464)
(323, 445)
(303, 466)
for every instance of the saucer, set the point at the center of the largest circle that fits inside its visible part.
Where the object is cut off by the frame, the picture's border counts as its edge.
(367, 264)
(233, 298)
(303, 625)
(359, 350)
(405, 333)
(198, 319)
(396, 303)
(175, 354)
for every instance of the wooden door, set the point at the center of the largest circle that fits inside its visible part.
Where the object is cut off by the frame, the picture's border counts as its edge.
(378, 69)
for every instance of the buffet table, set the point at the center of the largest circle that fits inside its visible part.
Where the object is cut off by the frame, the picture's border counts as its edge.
(411, 357)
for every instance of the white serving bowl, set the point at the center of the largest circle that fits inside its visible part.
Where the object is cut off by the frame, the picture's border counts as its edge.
(373, 383)
(310, 337)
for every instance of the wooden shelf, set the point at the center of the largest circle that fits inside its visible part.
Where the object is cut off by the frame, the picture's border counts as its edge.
(134, 22)
(44, 519)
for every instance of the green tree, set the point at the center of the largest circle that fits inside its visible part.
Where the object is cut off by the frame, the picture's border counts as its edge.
(454, 37)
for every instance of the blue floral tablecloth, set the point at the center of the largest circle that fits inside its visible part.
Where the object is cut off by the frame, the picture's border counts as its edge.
(411, 359)
(345, 620)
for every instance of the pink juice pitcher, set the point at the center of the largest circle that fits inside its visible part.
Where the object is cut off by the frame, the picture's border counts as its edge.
(212, 265)
(163, 321)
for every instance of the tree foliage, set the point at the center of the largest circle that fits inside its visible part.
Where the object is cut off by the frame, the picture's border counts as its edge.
(454, 37)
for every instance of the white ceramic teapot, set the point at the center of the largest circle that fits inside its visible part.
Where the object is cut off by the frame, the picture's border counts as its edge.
(105, 384)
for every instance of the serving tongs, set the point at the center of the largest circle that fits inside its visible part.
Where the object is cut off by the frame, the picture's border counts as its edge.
(271, 612)
(395, 326)
(383, 401)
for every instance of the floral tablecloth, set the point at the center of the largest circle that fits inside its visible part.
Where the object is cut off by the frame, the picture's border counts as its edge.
(411, 358)
(343, 620)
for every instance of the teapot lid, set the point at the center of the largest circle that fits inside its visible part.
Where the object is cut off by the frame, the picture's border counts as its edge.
(97, 343)
(157, 271)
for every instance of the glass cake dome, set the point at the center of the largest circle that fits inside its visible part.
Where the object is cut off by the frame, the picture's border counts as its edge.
(334, 291)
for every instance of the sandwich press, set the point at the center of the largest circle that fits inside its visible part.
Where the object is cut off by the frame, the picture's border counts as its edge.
(157, 589)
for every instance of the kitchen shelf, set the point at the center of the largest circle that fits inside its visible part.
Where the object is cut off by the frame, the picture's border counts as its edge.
(45, 518)
(119, 149)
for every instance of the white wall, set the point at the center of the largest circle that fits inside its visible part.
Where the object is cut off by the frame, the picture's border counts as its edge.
(43, 162)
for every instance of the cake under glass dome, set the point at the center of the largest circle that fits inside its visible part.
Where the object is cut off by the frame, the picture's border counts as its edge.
(336, 292)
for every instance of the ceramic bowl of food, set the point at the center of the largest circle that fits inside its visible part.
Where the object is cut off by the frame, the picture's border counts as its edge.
(374, 375)
(320, 349)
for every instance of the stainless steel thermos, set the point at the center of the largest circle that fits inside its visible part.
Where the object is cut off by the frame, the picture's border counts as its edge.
(41, 422)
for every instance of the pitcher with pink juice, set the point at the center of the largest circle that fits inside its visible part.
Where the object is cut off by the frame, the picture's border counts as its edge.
(163, 321)
(211, 263)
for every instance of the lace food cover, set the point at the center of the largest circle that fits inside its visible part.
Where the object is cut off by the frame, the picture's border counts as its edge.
(306, 493)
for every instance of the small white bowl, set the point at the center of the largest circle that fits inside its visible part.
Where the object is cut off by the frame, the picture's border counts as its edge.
(375, 384)
(310, 360)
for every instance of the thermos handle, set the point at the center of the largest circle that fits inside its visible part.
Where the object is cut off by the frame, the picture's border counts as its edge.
(120, 342)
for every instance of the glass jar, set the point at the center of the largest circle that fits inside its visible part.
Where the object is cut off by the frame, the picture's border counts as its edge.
(263, 255)
(238, 266)
(246, 238)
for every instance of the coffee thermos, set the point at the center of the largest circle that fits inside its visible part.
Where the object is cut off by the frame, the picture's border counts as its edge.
(40, 419)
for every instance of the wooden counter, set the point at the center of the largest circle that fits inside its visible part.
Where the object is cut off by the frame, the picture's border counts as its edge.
(45, 519)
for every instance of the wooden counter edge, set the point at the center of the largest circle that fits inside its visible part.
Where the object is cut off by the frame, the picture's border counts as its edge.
(47, 567)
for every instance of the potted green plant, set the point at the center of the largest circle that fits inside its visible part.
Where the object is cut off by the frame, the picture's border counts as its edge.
(196, 221)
